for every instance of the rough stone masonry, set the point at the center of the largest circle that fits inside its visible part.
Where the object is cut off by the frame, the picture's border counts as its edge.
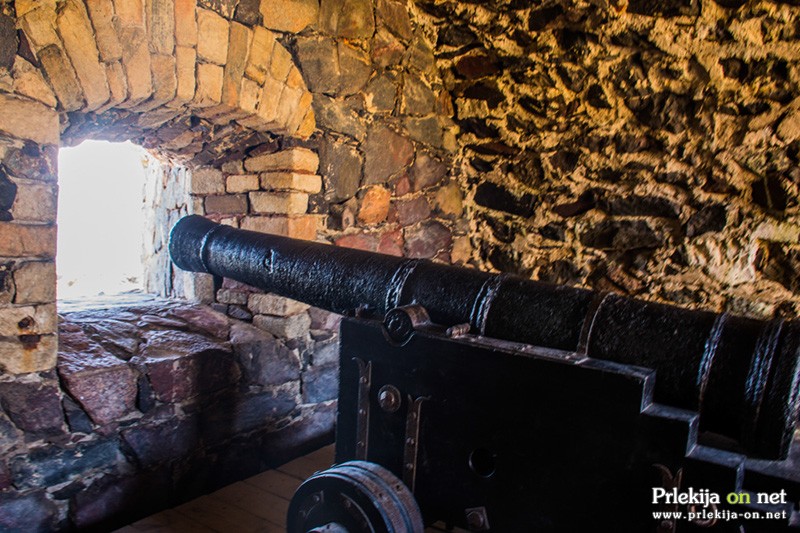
(649, 148)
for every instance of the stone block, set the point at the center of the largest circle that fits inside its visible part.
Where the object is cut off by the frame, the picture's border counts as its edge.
(321, 383)
(300, 227)
(77, 34)
(386, 153)
(183, 365)
(35, 282)
(136, 62)
(341, 165)
(30, 353)
(412, 211)
(207, 180)
(161, 27)
(426, 171)
(158, 445)
(291, 181)
(499, 198)
(227, 204)
(117, 83)
(278, 203)
(241, 183)
(295, 160)
(28, 81)
(258, 60)
(203, 319)
(34, 407)
(185, 59)
(318, 59)
(29, 120)
(265, 361)
(230, 296)
(449, 200)
(130, 12)
(165, 80)
(427, 239)
(185, 23)
(101, 13)
(212, 37)
(244, 415)
(9, 43)
(359, 241)
(39, 25)
(27, 320)
(374, 206)
(52, 465)
(209, 85)
(238, 48)
(61, 77)
(350, 19)
(34, 202)
(18, 240)
(33, 511)
(290, 327)
(103, 385)
(281, 63)
(391, 243)
(290, 16)
(272, 304)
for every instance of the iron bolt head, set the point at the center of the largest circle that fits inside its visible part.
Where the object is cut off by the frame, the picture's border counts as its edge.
(389, 398)
(475, 520)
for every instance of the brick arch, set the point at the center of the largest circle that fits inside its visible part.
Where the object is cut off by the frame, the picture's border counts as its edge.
(159, 60)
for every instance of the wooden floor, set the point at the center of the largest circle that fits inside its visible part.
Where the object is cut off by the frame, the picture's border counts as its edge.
(258, 504)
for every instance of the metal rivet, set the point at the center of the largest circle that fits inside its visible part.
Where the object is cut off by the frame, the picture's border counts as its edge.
(389, 398)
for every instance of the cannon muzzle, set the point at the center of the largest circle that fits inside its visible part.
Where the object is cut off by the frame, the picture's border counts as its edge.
(739, 374)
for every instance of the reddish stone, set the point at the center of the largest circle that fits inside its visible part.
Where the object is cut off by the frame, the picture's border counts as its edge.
(103, 385)
(205, 320)
(427, 239)
(476, 66)
(412, 211)
(228, 283)
(386, 153)
(427, 172)
(163, 443)
(391, 243)
(33, 407)
(402, 186)
(360, 241)
(183, 365)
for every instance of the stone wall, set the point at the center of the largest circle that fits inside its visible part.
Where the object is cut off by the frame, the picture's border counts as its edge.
(647, 148)
(152, 403)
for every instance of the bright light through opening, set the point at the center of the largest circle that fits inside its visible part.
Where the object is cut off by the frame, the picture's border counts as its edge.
(100, 219)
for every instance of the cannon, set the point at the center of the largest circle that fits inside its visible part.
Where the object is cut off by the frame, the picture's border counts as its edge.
(497, 403)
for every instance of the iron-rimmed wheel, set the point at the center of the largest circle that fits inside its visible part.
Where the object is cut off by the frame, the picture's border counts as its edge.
(354, 497)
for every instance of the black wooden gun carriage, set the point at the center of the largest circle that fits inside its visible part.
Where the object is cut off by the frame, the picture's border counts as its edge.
(495, 403)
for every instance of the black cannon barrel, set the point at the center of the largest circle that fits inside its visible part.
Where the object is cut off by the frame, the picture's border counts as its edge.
(740, 374)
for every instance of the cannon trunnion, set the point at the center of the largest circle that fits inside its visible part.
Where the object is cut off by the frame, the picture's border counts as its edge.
(494, 403)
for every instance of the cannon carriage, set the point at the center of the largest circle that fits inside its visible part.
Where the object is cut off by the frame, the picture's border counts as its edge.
(496, 403)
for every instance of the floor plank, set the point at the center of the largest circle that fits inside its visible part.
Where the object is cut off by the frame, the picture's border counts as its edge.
(255, 501)
(170, 521)
(256, 505)
(275, 482)
(302, 467)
